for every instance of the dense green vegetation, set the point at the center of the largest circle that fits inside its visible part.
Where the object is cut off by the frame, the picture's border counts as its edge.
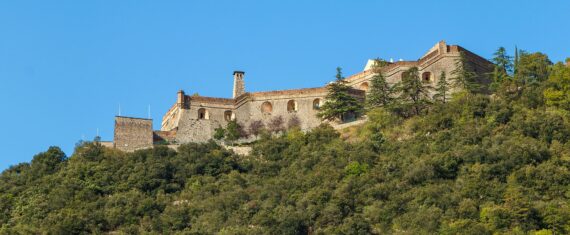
(474, 164)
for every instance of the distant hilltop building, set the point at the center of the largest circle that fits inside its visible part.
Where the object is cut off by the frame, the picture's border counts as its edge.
(194, 118)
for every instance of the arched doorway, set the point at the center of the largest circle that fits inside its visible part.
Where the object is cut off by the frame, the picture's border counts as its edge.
(203, 114)
(364, 86)
(266, 107)
(291, 106)
(317, 104)
(426, 77)
(228, 115)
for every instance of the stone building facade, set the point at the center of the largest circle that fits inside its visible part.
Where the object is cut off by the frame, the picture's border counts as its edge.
(195, 118)
(440, 58)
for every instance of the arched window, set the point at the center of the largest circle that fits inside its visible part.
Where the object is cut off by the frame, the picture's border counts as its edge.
(291, 106)
(426, 77)
(364, 86)
(228, 115)
(317, 104)
(266, 107)
(203, 114)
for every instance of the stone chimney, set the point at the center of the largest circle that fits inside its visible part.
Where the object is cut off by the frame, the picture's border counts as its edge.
(239, 85)
(181, 101)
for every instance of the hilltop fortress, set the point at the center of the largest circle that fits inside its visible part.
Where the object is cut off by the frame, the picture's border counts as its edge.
(194, 118)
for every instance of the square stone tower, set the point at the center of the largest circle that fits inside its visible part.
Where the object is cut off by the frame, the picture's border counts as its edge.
(132, 133)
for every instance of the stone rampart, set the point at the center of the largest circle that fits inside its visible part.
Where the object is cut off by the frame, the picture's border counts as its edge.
(170, 119)
(132, 133)
(195, 130)
(164, 136)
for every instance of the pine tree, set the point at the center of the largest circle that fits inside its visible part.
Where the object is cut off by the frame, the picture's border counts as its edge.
(380, 93)
(442, 89)
(503, 61)
(463, 75)
(413, 93)
(339, 102)
(503, 67)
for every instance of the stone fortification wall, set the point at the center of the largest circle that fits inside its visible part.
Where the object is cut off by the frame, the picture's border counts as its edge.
(482, 67)
(164, 136)
(198, 122)
(170, 119)
(194, 118)
(132, 133)
(213, 101)
(430, 72)
(440, 58)
(202, 115)
(195, 130)
(302, 103)
(289, 93)
(108, 144)
(242, 107)
(204, 109)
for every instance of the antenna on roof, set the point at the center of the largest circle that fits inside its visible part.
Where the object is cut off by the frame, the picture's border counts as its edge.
(97, 132)
(149, 111)
(119, 109)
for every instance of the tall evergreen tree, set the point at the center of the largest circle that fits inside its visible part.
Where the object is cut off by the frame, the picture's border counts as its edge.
(502, 60)
(380, 93)
(339, 102)
(503, 68)
(413, 93)
(463, 75)
(442, 89)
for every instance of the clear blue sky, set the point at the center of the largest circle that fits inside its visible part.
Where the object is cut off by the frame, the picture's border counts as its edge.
(65, 66)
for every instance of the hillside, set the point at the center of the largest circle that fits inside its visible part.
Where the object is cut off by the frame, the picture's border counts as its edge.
(478, 164)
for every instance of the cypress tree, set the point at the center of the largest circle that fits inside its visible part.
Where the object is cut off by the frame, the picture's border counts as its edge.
(442, 89)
